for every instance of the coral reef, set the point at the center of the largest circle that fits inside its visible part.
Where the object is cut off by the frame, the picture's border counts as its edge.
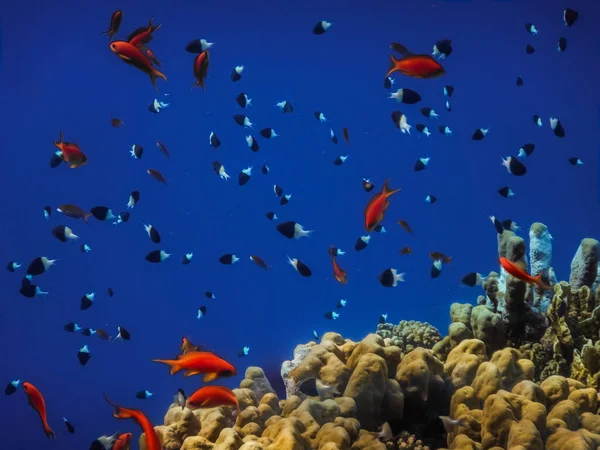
(409, 334)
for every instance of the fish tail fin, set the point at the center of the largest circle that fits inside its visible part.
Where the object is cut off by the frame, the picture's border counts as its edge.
(540, 283)
(173, 364)
(387, 191)
(86, 217)
(48, 431)
(393, 65)
(154, 75)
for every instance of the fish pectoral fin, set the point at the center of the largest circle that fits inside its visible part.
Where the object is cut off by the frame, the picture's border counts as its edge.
(189, 373)
(125, 58)
(210, 377)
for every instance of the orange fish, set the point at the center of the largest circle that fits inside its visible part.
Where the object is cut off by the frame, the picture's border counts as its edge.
(133, 56)
(437, 255)
(338, 272)
(406, 251)
(519, 273)
(152, 441)
(416, 66)
(116, 123)
(152, 57)
(201, 63)
(71, 153)
(36, 400)
(195, 363)
(187, 346)
(375, 210)
(115, 23)
(404, 224)
(123, 442)
(157, 175)
(213, 397)
(143, 35)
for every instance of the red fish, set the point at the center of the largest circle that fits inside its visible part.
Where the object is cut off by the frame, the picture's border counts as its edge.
(519, 273)
(201, 63)
(115, 23)
(416, 66)
(375, 210)
(152, 441)
(187, 346)
(123, 442)
(339, 273)
(152, 57)
(213, 397)
(196, 363)
(143, 35)
(36, 400)
(133, 56)
(71, 153)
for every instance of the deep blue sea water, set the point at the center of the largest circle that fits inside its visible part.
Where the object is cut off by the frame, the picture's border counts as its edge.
(58, 72)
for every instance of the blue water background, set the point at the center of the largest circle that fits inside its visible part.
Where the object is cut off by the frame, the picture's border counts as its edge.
(58, 72)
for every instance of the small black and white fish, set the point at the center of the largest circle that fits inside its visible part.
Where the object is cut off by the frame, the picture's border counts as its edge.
(570, 16)
(122, 335)
(88, 332)
(383, 318)
(243, 100)
(448, 106)
(531, 29)
(379, 229)
(316, 335)
(367, 185)
(388, 82)
(562, 44)
(526, 150)
(70, 428)
(575, 161)
(219, 169)
(300, 267)
(210, 295)
(448, 90)
(72, 327)
(87, 301)
(105, 442)
(143, 395)
(401, 122)
(519, 81)
(340, 160)
(236, 73)
(136, 151)
(445, 130)
(157, 256)
(265, 169)
(341, 303)
(429, 112)
(134, 198)
(84, 355)
(362, 243)
(509, 225)
(497, 225)
(214, 140)
(278, 190)
(271, 215)
(473, 279)
(331, 315)
(431, 199)
(187, 258)
(557, 127)
(198, 46)
(333, 251)
(56, 159)
(102, 213)
(321, 27)
(31, 290)
(12, 266)
(480, 133)
(180, 398)
(64, 233)
(242, 120)
(245, 176)
(153, 233)
(122, 218)
(285, 106)
(334, 138)
(47, 212)
(506, 192)
(156, 106)
(421, 128)
(529, 49)
(12, 387)
(421, 164)
(391, 278)
(406, 96)
(252, 143)
(268, 133)
(313, 387)
(320, 116)
(85, 248)
(285, 199)
(537, 120)
(110, 292)
(243, 352)
(442, 49)
(40, 265)
(514, 166)
(293, 230)
(436, 268)
(228, 259)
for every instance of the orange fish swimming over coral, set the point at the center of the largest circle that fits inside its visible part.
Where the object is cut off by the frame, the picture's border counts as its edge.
(123, 442)
(375, 210)
(70, 153)
(212, 397)
(416, 66)
(338, 272)
(152, 441)
(36, 400)
(519, 273)
(196, 363)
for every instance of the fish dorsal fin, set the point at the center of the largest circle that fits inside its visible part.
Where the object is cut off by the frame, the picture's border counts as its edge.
(136, 32)
(401, 49)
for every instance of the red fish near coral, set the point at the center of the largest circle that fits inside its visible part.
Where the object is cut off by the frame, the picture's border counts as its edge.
(123, 442)
(375, 210)
(152, 441)
(416, 66)
(339, 273)
(201, 63)
(195, 363)
(36, 400)
(115, 23)
(70, 153)
(212, 397)
(519, 273)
